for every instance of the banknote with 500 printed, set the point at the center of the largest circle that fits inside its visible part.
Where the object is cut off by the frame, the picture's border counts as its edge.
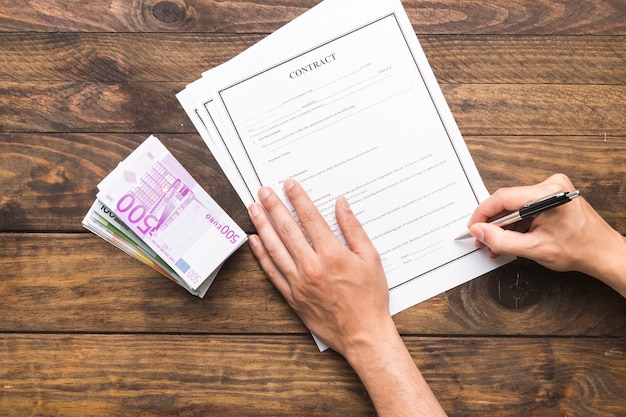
(157, 198)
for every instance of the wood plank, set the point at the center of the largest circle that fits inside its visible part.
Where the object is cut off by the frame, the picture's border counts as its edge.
(87, 330)
(97, 375)
(601, 17)
(115, 57)
(596, 167)
(87, 107)
(521, 298)
(543, 17)
(80, 283)
(538, 110)
(485, 109)
(49, 180)
(118, 57)
(92, 286)
(529, 377)
(520, 59)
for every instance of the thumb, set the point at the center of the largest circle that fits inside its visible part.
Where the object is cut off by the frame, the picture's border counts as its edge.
(501, 241)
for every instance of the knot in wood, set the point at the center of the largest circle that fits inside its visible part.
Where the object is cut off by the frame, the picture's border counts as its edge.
(104, 69)
(514, 288)
(10, 211)
(168, 12)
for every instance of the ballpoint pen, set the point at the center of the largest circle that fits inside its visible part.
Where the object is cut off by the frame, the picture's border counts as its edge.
(531, 209)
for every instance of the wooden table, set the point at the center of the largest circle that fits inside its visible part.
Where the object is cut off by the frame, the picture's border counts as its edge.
(536, 86)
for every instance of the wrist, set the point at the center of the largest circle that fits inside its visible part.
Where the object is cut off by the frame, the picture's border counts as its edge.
(368, 348)
(391, 378)
(609, 264)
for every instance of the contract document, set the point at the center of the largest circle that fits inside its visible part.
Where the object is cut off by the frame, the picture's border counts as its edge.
(343, 100)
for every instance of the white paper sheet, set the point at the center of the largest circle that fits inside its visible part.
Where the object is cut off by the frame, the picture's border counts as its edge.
(347, 104)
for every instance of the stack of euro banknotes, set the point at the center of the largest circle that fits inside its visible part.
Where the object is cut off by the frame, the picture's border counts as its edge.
(150, 207)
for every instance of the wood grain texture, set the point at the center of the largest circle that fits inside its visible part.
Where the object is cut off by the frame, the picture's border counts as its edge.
(55, 288)
(536, 86)
(468, 59)
(49, 180)
(600, 17)
(88, 107)
(594, 163)
(103, 375)
(115, 57)
(486, 109)
(540, 110)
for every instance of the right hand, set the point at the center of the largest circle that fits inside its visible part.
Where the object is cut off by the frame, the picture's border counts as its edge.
(571, 237)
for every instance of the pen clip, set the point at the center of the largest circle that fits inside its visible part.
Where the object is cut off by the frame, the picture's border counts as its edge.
(546, 203)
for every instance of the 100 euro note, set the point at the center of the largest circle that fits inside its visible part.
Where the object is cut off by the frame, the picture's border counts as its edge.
(156, 198)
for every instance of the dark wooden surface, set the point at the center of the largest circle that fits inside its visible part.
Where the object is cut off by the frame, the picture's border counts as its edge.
(536, 86)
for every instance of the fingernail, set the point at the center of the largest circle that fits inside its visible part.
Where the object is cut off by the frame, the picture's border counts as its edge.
(288, 184)
(263, 193)
(477, 232)
(253, 240)
(254, 210)
(343, 202)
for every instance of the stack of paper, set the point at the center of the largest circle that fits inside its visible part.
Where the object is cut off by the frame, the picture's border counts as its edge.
(343, 100)
(151, 208)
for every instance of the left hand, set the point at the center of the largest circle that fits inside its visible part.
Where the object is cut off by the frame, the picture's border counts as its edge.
(339, 292)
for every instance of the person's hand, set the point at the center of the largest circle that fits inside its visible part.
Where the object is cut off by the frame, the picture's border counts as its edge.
(339, 292)
(571, 237)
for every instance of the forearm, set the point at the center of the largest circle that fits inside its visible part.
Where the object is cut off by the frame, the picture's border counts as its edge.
(340, 293)
(393, 381)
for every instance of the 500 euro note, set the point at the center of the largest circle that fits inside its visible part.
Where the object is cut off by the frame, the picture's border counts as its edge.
(157, 199)
(101, 221)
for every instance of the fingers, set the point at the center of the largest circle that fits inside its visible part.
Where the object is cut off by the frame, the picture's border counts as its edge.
(316, 227)
(266, 262)
(504, 242)
(310, 218)
(281, 246)
(269, 249)
(510, 199)
(507, 200)
(286, 231)
(352, 230)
